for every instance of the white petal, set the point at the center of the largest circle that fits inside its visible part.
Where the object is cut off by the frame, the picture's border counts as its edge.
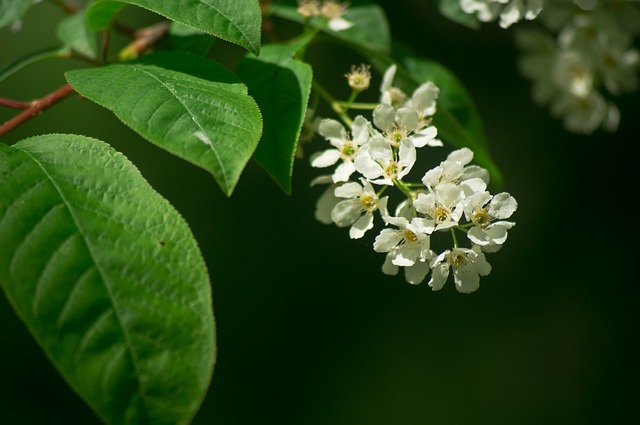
(407, 118)
(346, 212)
(466, 279)
(367, 167)
(325, 158)
(325, 205)
(349, 190)
(387, 240)
(361, 226)
(332, 129)
(343, 171)
(416, 273)
(339, 24)
(406, 255)
(502, 206)
(384, 116)
(388, 267)
(463, 156)
(439, 275)
(360, 130)
(424, 98)
(387, 79)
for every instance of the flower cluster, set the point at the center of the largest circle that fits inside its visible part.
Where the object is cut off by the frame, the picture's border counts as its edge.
(331, 10)
(452, 198)
(580, 58)
(509, 11)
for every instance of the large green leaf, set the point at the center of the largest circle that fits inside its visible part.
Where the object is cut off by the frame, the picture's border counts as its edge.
(107, 276)
(237, 21)
(281, 86)
(186, 104)
(11, 11)
(370, 26)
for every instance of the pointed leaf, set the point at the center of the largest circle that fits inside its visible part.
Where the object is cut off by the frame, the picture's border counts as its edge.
(73, 33)
(236, 21)
(186, 104)
(281, 86)
(107, 277)
(188, 39)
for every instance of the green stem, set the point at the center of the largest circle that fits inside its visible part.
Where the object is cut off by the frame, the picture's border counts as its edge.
(335, 105)
(347, 105)
(403, 188)
(359, 105)
(455, 240)
(20, 64)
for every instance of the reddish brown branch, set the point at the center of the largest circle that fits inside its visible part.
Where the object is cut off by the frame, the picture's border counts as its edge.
(36, 107)
(15, 104)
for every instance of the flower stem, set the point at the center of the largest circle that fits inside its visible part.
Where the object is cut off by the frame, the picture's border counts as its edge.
(403, 188)
(359, 105)
(36, 107)
(335, 105)
(455, 240)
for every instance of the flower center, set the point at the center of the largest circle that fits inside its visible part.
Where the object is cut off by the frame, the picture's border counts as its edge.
(348, 150)
(332, 10)
(480, 217)
(396, 135)
(391, 170)
(398, 97)
(368, 202)
(441, 215)
(409, 236)
(457, 260)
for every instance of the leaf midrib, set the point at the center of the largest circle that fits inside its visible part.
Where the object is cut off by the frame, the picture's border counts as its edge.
(223, 170)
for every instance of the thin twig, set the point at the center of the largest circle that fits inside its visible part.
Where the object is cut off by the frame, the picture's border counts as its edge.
(15, 103)
(37, 106)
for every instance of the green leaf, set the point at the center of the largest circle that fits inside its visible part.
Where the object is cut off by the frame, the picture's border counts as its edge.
(451, 9)
(370, 26)
(281, 86)
(186, 104)
(188, 39)
(72, 31)
(235, 21)
(11, 11)
(108, 278)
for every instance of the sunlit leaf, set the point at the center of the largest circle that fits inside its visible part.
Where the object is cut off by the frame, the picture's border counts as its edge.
(108, 278)
(186, 104)
(235, 21)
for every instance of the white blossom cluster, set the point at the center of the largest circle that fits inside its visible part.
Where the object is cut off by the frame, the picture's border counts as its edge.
(452, 198)
(580, 58)
(509, 11)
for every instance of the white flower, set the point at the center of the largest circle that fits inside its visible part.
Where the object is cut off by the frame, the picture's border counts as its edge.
(333, 11)
(483, 210)
(389, 94)
(510, 11)
(443, 205)
(404, 123)
(407, 244)
(467, 264)
(357, 210)
(344, 147)
(378, 163)
(455, 170)
(327, 201)
(423, 100)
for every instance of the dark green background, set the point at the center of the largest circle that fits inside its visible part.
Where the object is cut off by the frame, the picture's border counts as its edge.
(311, 332)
